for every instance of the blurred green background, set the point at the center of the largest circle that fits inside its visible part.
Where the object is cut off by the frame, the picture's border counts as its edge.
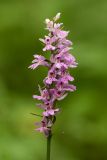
(80, 132)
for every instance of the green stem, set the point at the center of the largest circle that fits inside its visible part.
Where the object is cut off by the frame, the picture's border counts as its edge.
(48, 146)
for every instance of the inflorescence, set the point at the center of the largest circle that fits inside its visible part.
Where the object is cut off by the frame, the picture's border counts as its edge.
(57, 82)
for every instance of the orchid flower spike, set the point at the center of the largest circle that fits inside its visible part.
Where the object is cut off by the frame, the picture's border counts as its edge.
(58, 81)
